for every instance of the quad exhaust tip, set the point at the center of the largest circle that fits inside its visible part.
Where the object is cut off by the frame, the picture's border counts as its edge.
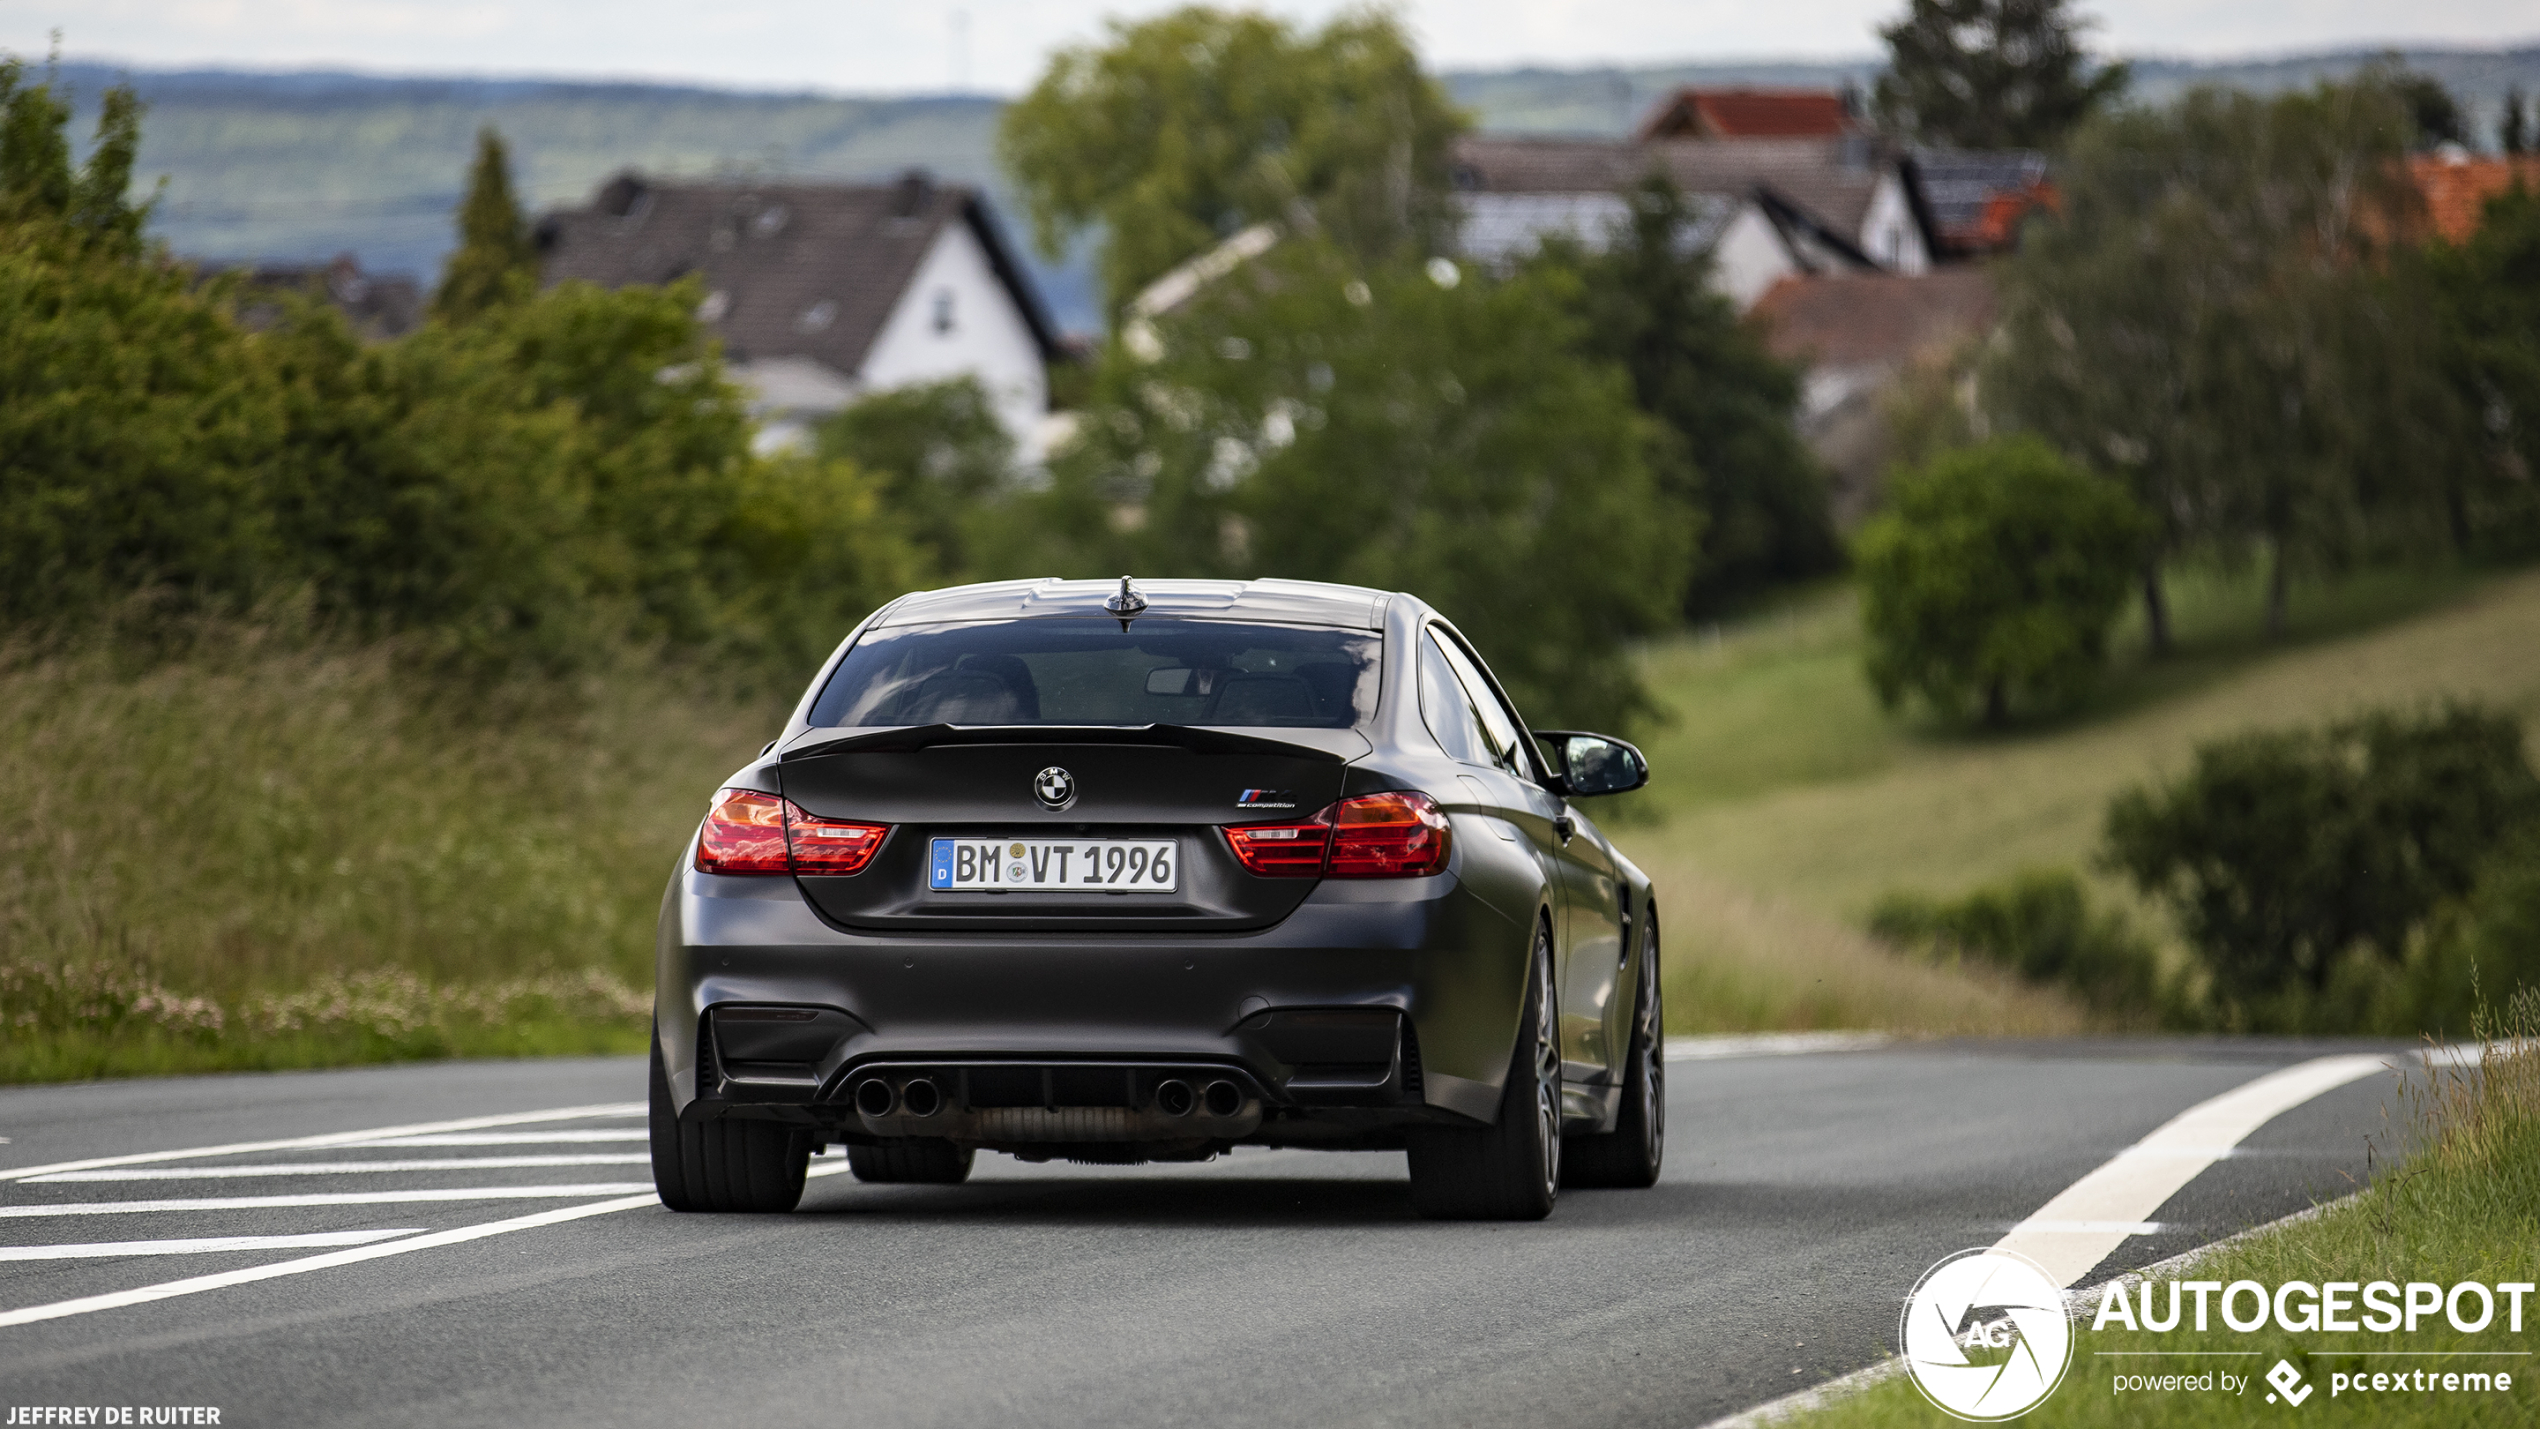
(921, 1097)
(873, 1097)
(1175, 1097)
(1224, 1098)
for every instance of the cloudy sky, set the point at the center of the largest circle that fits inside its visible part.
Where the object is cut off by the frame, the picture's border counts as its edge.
(998, 45)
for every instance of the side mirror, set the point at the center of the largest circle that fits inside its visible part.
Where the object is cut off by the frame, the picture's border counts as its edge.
(1590, 764)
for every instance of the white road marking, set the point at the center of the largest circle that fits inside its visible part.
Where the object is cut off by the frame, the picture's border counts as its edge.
(1771, 1044)
(323, 1198)
(2116, 1228)
(340, 1138)
(507, 1138)
(208, 1245)
(330, 1168)
(2135, 1183)
(197, 1285)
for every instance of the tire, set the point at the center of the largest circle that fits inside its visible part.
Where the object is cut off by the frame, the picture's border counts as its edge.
(911, 1161)
(1629, 1156)
(729, 1165)
(1511, 1171)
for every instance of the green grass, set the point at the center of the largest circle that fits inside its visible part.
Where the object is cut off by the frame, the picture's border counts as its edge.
(265, 854)
(1784, 801)
(2464, 1207)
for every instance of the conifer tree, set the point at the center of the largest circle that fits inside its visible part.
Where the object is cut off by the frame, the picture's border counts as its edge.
(495, 261)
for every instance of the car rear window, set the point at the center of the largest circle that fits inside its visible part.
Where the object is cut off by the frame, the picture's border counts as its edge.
(1070, 671)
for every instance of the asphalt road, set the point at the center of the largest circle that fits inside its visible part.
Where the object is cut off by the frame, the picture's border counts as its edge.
(1803, 1196)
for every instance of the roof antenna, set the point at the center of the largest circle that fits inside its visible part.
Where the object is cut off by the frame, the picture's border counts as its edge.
(1126, 602)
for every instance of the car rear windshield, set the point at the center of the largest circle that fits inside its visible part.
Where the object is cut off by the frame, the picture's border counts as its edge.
(1071, 671)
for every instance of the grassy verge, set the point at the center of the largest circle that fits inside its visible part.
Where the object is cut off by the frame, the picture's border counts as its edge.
(1783, 781)
(2464, 1206)
(264, 854)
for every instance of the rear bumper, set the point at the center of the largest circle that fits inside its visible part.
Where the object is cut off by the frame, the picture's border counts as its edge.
(1375, 1004)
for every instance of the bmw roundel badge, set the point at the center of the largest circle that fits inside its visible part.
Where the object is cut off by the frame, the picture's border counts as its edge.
(1054, 787)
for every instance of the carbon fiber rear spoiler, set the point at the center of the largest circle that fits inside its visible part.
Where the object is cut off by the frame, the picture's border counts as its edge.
(1325, 745)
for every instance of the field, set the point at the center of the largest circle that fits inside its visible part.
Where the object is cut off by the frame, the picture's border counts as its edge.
(268, 853)
(1784, 801)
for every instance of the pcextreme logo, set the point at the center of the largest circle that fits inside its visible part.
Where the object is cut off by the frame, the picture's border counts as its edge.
(1985, 1336)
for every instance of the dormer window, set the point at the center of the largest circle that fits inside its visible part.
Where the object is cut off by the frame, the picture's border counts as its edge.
(943, 312)
(818, 316)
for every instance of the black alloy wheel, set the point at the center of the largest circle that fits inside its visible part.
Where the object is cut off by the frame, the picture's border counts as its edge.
(1510, 1171)
(1630, 1155)
(728, 1165)
(911, 1161)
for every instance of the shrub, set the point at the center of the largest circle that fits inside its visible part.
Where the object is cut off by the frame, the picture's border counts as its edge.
(2040, 925)
(1994, 579)
(2283, 851)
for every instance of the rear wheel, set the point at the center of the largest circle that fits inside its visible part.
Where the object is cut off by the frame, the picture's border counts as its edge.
(1629, 1155)
(1511, 1171)
(914, 1160)
(728, 1165)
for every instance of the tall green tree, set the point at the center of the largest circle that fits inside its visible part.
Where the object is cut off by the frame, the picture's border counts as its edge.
(1990, 74)
(1647, 303)
(1993, 579)
(2205, 318)
(2486, 296)
(1176, 132)
(1407, 428)
(495, 261)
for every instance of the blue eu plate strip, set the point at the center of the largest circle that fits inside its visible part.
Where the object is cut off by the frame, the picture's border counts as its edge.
(940, 868)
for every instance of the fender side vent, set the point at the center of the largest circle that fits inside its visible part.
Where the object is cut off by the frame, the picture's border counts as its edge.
(1410, 1061)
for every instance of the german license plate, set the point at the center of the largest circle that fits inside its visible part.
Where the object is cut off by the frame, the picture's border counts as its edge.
(1054, 865)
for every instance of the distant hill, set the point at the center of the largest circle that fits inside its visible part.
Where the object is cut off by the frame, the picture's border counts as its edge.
(301, 166)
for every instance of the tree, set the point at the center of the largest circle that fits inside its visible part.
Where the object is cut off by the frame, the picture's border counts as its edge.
(2283, 851)
(2513, 127)
(1989, 74)
(37, 184)
(940, 454)
(1181, 130)
(1993, 579)
(2486, 298)
(495, 261)
(1408, 428)
(2434, 115)
(2205, 317)
(1647, 303)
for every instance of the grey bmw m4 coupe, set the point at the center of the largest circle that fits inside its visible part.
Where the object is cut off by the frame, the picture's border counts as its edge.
(1124, 871)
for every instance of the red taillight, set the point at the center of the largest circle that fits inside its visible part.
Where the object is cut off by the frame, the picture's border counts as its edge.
(1388, 836)
(1372, 836)
(1281, 850)
(749, 832)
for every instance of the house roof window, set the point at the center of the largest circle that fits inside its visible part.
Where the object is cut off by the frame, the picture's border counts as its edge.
(818, 316)
(770, 220)
(716, 304)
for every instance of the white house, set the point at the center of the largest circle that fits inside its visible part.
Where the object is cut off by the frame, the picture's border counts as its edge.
(823, 292)
(1769, 209)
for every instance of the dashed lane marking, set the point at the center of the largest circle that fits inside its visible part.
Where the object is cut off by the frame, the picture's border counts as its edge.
(509, 1138)
(340, 1138)
(326, 1198)
(328, 1168)
(170, 1290)
(205, 1245)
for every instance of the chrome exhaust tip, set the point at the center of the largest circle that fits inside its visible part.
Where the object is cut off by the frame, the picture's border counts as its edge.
(1224, 1098)
(921, 1097)
(873, 1097)
(1174, 1097)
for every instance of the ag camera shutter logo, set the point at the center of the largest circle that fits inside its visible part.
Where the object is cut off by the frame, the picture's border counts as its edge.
(1985, 1336)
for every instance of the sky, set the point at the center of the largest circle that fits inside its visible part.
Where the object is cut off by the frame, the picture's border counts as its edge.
(998, 46)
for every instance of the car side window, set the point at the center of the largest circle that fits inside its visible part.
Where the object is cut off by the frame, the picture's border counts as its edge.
(1445, 706)
(1500, 733)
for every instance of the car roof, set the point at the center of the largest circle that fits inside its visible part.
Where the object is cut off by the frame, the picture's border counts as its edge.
(1286, 602)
